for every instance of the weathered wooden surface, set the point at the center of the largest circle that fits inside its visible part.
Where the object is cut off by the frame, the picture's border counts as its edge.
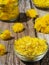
(10, 58)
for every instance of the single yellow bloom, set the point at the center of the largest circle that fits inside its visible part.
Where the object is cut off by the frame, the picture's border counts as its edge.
(30, 47)
(6, 34)
(31, 13)
(18, 27)
(2, 49)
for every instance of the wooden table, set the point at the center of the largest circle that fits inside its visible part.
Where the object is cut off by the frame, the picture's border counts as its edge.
(10, 58)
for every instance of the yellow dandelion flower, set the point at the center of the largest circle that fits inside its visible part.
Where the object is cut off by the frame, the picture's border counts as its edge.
(2, 49)
(6, 34)
(31, 13)
(18, 27)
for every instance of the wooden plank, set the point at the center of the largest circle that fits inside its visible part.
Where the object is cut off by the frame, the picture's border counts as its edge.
(2, 60)
(10, 49)
(4, 26)
(31, 28)
(30, 23)
(16, 60)
(12, 56)
(41, 12)
(21, 34)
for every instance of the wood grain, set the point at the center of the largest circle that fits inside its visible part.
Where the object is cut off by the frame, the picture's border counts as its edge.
(10, 58)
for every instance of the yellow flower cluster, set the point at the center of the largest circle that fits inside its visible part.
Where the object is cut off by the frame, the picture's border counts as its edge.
(9, 9)
(2, 49)
(7, 1)
(18, 27)
(42, 24)
(41, 3)
(31, 13)
(4, 1)
(6, 34)
(30, 47)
